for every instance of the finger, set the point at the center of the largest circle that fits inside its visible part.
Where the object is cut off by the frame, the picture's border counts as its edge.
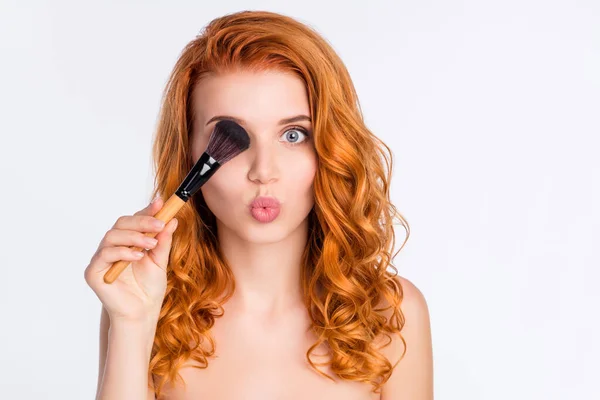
(107, 256)
(119, 237)
(152, 208)
(140, 223)
(160, 253)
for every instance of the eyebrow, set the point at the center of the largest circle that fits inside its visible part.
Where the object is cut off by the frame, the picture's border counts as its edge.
(242, 122)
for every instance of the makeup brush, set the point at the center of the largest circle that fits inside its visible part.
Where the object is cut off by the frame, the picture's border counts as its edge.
(227, 140)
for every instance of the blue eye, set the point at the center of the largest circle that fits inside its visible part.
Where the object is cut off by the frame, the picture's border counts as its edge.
(295, 136)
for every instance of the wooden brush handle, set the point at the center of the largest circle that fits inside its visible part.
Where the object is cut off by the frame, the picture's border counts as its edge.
(165, 214)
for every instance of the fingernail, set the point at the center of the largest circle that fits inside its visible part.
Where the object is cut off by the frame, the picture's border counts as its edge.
(175, 223)
(154, 200)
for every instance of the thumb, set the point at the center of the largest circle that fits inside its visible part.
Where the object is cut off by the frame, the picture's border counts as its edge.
(160, 253)
(152, 208)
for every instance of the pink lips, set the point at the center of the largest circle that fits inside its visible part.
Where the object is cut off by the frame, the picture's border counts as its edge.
(265, 209)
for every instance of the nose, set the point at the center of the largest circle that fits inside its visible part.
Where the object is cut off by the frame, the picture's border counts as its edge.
(263, 162)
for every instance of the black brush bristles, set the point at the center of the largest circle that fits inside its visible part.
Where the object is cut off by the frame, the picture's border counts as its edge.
(226, 141)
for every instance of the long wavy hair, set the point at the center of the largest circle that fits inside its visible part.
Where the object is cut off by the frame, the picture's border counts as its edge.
(351, 235)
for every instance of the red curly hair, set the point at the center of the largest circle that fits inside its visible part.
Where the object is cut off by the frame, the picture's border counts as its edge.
(351, 233)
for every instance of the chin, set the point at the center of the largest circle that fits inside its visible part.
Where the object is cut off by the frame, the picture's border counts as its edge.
(262, 233)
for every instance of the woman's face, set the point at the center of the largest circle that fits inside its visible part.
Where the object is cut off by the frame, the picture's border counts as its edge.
(281, 161)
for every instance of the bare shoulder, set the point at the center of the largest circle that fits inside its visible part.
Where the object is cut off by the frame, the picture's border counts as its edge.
(412, 378)
(414, 304)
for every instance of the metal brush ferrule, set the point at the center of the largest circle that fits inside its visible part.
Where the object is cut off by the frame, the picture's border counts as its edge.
(204, 168)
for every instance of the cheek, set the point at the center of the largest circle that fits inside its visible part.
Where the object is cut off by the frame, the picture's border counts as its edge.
(301, 171)
(299, 179)
(224, 191)
(197, 146)
(221, 189)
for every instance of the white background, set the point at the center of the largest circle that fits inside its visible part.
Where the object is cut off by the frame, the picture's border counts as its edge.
(492, 109)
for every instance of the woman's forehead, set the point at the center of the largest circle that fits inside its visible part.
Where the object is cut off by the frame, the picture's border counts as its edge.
(256, 97)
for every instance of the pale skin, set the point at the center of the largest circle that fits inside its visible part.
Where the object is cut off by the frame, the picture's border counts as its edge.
(261, 340)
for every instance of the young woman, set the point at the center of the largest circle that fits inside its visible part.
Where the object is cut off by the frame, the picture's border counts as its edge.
(236, 303)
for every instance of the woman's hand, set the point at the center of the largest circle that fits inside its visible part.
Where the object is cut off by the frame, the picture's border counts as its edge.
(138, 292)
